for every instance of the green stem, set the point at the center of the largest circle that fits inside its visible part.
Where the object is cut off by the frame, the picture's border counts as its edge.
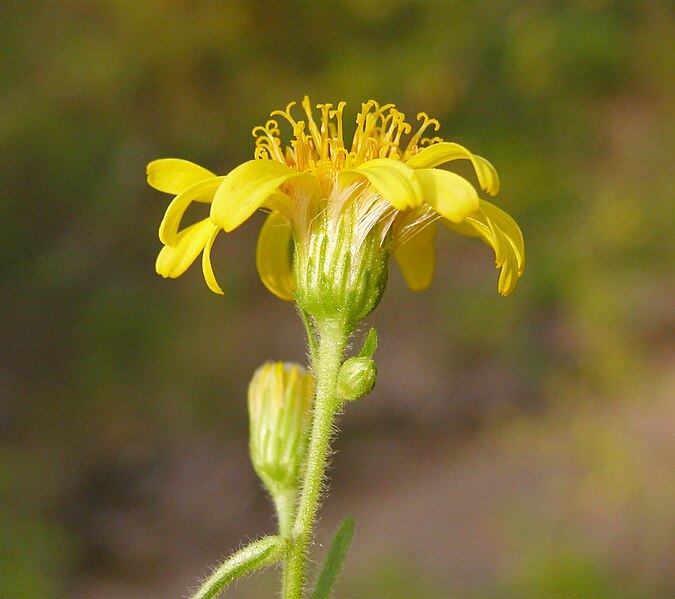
(284, 502)
(262, 553)
(333, 335)
(311, 336)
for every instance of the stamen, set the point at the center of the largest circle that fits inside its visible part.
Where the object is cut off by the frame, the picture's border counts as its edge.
(371, 104)
(291, 158)
(387, 108)
(325, 128)
(365, 142)
(261, 153)
(426, 123)
(338, 153)
(313, 129)
(319, 146)
(403, 127)
(337, 115)
(371, 148)
(286, 113)
(430, 141)
(301, 146)
(350, 159)
(361, 124)
(394, 116)
(267, 141)
(395, 125)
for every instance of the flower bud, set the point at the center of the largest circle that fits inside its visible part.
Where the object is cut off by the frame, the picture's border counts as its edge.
(356, 378)
(279, 401)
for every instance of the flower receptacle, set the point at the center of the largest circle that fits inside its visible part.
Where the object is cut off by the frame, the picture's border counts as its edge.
(339, 276)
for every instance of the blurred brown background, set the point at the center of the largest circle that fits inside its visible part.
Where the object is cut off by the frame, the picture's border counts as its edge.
(518, 448)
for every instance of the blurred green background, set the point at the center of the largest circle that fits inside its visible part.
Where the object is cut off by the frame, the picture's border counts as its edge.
(518, 448)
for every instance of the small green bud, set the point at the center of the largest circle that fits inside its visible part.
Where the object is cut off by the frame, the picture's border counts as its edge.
(356, 378)
(279, 402)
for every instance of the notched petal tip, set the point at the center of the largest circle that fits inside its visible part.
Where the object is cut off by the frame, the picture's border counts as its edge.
(173, 261)
(498, 230)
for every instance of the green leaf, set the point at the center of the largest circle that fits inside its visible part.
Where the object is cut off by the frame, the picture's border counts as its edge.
(335, 558)
(369, 345)
(255, 556)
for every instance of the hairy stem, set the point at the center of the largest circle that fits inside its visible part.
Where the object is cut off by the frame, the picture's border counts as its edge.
(284, 502)
(333, 335)
(257, 555)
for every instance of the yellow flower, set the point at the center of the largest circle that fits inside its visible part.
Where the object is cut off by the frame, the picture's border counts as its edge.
(378, 185)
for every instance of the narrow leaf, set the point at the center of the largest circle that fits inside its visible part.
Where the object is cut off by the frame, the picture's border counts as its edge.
(335, 558)
(255, 556)
(369, 345)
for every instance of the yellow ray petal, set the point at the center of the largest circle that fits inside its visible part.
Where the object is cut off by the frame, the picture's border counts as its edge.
(496, 228)
(510, 229)
(199, 192)
(273, 258)
(207, 268)
(392, 179)
(173, 175)
(508, 277)
(246, 188)
(174, 260)
(450, 195)
(446, 151)
(416, 258)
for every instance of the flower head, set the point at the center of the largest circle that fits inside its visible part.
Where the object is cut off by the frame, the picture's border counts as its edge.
(279, 402)
(339, 204)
